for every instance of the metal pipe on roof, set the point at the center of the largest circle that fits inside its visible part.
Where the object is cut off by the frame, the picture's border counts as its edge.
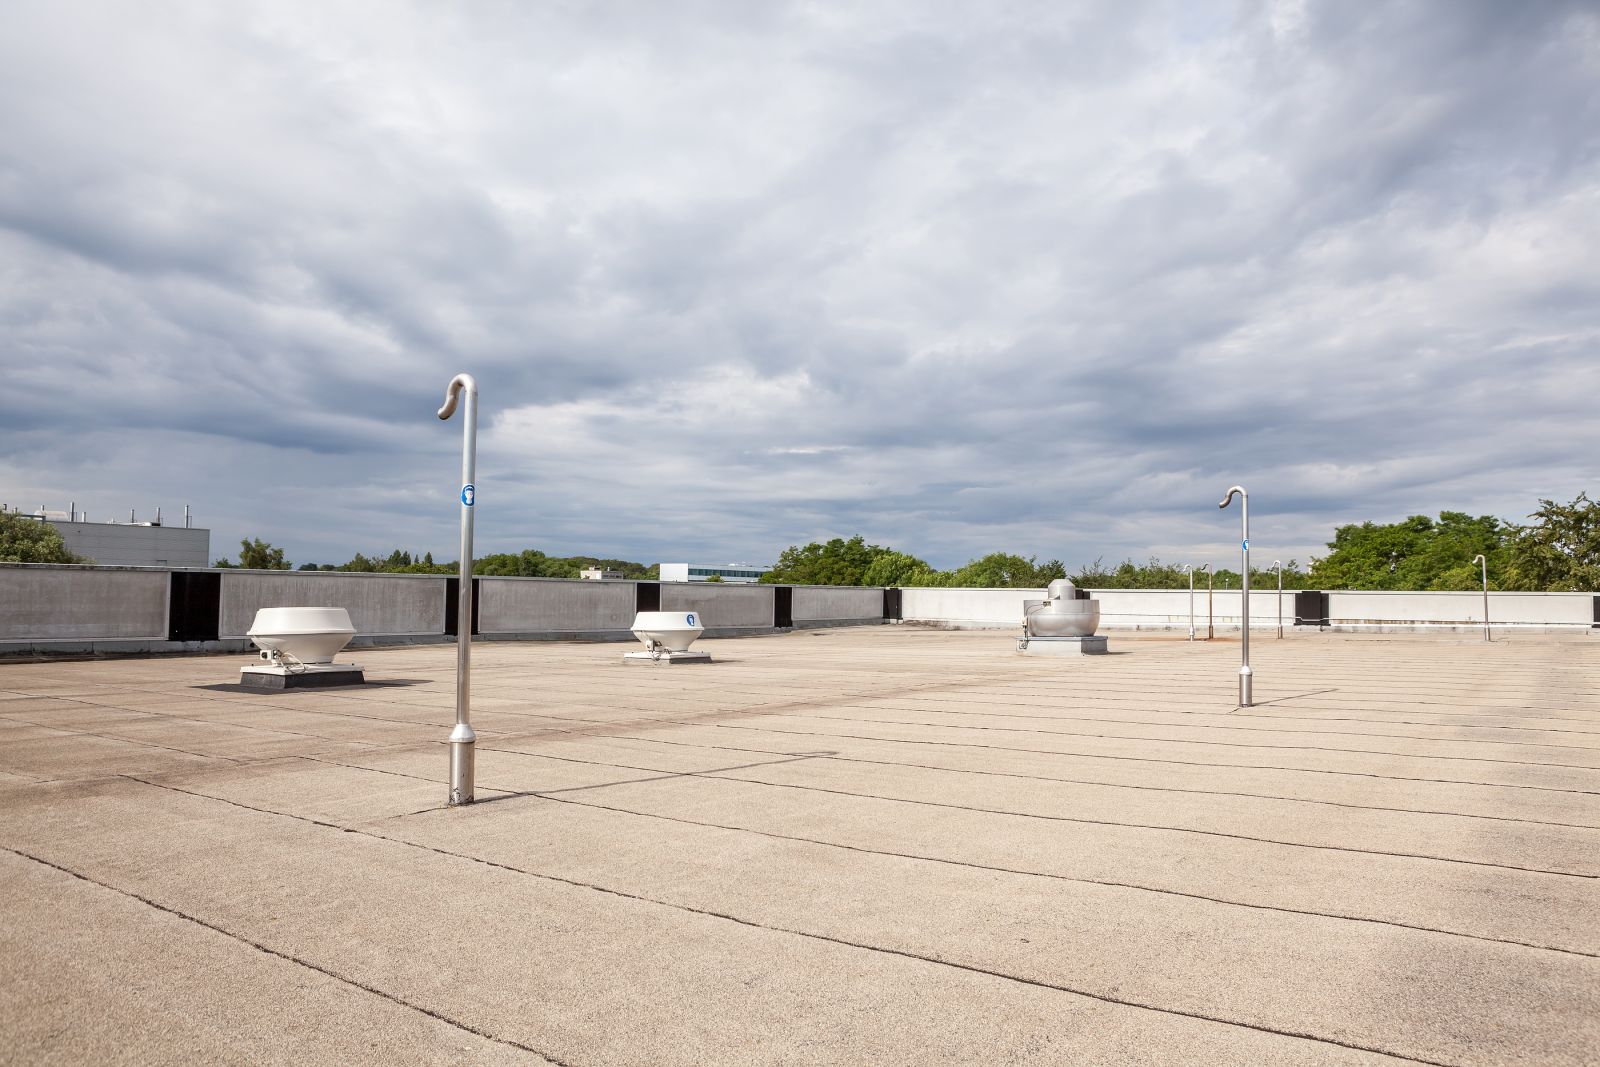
(1245, 675)
(1189, 567)
(1480, 559)
(1278, 563)
(463, 741)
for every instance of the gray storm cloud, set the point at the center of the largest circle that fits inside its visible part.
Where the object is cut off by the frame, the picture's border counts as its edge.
(1044, 278)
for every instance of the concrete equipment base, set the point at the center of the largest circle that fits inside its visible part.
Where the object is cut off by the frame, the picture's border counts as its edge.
(304, 676)
(1063, 646)
(664, 657)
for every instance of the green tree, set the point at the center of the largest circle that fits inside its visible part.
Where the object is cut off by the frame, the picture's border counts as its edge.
(892, 568)
(529, 563)
(1415, 553)
(1559, 551)
(627, 568)
(838, 562)
(24, 539)
(1158, 575)
(260, 556)
(1001, 570)
(714, 578)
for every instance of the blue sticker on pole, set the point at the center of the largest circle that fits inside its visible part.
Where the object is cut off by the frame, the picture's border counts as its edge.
(1246, 540)
(468, 494)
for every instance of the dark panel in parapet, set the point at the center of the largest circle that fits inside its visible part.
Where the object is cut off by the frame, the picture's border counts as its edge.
(1310, 608)
(452, 606)
(647, 596)
(195, 608)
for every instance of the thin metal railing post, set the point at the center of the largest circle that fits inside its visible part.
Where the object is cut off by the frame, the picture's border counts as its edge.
(463, 741)
(1480, 559)
(1211, 627)
(1190, 568)
(1278, 563)
(1245, 674)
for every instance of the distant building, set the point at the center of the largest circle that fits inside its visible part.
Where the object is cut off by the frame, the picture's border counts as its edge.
(595, 574)
(130, 544)
(701, 572)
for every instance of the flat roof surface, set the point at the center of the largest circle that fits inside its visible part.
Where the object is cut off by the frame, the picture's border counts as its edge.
(853, 846)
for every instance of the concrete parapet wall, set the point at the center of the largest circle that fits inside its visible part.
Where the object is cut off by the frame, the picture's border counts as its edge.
(45, 603)
(1358, 609)
(538, 605)
(1168, 609)
(379, 604)
(49, 609)
(721, 605)
(966, 608)
(826, 603)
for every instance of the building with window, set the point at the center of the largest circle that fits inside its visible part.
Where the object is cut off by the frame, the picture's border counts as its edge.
(702, 572)
(596, 574)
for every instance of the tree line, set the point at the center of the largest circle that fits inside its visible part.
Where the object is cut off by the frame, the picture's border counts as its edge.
(257, 554)
(1558, 550)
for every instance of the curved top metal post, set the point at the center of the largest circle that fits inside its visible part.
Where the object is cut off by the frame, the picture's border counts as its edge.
(1277, 565)
(452, 393)
(1479, 559)
(463, 738)
(1245, 699)
(1188, 568)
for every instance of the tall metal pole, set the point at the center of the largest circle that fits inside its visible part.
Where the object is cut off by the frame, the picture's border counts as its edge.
(1278, 563)
(1211, 629)
(1479, 559)
(1244, 550)
(463, 741)
(1190, 568)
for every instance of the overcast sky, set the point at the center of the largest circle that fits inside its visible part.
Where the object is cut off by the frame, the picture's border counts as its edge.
(1044, 278)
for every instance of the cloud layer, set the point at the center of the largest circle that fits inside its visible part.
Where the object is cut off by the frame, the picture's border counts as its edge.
(1039, 277)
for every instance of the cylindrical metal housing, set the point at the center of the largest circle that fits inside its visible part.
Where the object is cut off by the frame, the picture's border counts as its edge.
(1061, 618)
(463, 765)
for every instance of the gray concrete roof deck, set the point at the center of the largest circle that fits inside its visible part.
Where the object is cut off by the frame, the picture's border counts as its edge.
(863, 845)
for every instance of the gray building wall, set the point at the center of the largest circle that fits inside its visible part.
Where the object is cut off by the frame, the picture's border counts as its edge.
(113, 544)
